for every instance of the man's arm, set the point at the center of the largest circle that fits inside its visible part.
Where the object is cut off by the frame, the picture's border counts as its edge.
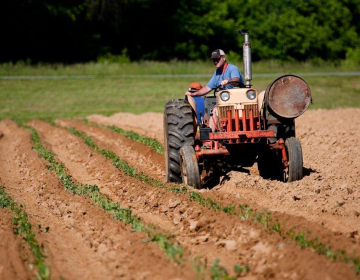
(204, 90)
(234, 82)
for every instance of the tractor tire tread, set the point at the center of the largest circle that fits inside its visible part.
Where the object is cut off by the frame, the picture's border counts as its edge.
(178, 132)
(294, 150)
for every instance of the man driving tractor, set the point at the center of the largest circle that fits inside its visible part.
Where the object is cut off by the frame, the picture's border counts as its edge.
(226, 76)
(247, 126)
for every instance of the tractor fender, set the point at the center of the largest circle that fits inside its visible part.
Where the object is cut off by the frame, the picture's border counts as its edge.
(198, 105)
(261, 102)
(192, 102)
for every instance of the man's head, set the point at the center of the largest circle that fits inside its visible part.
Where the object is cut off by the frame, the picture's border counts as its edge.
(218, 58)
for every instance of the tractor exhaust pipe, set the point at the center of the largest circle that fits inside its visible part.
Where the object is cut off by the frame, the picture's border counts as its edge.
(246, 58)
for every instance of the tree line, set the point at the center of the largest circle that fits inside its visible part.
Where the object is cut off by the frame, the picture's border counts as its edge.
(83, 30)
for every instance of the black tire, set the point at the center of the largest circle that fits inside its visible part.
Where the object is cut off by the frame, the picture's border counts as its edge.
(179, 131)
(189, 167)
(294, 171)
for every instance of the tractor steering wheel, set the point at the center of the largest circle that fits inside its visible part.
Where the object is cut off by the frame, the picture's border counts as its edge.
(237, 84)
(215, 89)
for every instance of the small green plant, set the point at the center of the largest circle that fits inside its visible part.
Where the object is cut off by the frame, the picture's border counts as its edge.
(23, 227)
(219, 272)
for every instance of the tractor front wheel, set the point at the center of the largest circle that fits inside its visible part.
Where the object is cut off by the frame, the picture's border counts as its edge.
(294, 171)
(189, 167)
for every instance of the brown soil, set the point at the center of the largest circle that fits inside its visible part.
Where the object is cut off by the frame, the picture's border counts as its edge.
(329, 194)
(324, 202)
(148, 124)
(85, 242)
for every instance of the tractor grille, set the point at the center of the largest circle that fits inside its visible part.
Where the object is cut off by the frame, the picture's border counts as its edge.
(222, 111)
(254, 107)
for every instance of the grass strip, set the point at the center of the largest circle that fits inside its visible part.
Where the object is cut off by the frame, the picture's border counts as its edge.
(175, 252)
(153, 143)
(243, 211)
(23, 228)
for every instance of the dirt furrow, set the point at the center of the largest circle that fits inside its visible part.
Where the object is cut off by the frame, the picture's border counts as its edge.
(148, 124)
(200, 230)
(329, 194)
(136, 154)
(288, 219)
(13, 251)
(83, 241)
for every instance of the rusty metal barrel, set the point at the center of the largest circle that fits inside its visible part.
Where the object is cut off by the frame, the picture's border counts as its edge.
(288, 96)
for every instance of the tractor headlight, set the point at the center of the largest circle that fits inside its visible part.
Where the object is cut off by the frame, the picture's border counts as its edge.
(251, 94)
(225, 96)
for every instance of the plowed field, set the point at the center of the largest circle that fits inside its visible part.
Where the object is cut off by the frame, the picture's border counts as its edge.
(307, 229)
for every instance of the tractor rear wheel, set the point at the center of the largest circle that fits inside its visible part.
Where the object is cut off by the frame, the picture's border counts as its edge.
(189, 167)
(294, 171)
(179, 131)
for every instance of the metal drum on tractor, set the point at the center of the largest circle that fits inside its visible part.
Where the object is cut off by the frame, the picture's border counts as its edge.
(251, 127)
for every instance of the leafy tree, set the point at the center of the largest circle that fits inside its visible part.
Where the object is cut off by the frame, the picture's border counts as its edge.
(82, 30)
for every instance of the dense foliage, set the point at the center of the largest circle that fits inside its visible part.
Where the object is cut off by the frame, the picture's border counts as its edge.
(82, 30)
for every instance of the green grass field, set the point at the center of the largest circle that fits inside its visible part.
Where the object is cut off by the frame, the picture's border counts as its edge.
(121, 88)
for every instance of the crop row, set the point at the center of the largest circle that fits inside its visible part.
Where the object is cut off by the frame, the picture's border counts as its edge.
(173, 250)
(23, 227)
(153, 143)
(243, 211)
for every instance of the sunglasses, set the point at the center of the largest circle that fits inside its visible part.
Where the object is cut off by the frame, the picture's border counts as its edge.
(215, 59)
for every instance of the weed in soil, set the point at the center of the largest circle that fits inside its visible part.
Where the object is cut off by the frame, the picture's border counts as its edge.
(218, 272)
(23, 228)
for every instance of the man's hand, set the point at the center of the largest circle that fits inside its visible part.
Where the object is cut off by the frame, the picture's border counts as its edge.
(224, 82)
(204, 90)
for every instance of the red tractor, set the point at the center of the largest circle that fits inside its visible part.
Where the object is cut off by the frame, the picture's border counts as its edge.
(252, 127)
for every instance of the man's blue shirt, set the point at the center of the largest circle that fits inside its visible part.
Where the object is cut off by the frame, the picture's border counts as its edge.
(230, 72)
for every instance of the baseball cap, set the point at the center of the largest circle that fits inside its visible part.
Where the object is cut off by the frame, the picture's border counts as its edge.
(217, 53)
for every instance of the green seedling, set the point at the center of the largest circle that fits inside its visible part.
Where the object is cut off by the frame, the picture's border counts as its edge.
(23, 227)
(219, 272)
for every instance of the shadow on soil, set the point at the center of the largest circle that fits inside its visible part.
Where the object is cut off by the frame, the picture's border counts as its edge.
(309, 171)
(220, 176)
